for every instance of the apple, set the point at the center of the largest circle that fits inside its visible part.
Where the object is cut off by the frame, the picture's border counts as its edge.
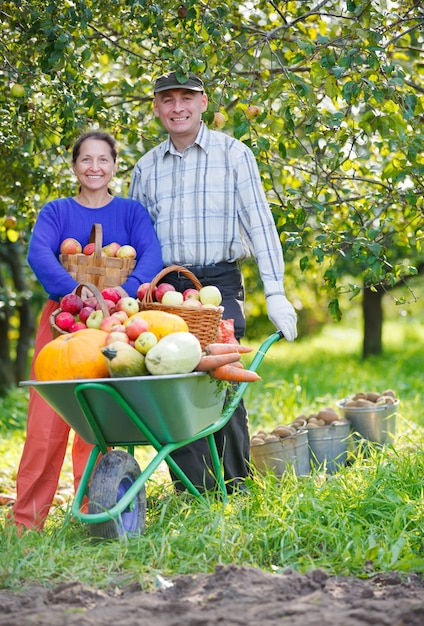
(134, 326)
(126, 252)
(111, 249)
(161, 289)
(192, 303)
(121, 315)
(64, 320)
(210, 295)
(116, 335)
(71, 303)
(111, 306)
(108, 322)
(10, 221)
(89, 249)
(142, 290)
(191, 294)
(218, 120)
(172, 298)
(91, 302)
(84, 313)
(77, 326)
(145, 341)
(111, 293)
(128, 304)
(70, 246)
(94, 319)
(252, 111)
(17, 90)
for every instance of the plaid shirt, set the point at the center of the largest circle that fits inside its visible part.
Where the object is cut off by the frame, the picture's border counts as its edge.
(208, 205)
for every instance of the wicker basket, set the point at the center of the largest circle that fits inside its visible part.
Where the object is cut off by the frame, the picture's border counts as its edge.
(56, 331)
(203, 322)
(102, 271)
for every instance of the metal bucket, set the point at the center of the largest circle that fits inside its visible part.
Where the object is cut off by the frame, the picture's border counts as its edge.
(375, 424)
(278, 455)
(328, 446)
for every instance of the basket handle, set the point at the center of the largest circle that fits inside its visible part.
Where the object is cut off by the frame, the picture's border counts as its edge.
(148, 296)
(96, 237)
(97, 294)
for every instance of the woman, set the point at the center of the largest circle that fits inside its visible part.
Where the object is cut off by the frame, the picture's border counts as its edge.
(124, 221)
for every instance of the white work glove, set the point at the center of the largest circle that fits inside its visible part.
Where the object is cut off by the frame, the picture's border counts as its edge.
(282, 315)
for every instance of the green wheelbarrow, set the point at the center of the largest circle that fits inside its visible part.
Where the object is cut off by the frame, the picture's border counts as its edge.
(165, 412)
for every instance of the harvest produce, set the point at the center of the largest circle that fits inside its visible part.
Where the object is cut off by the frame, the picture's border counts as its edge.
(122, 360)
(162, 323)
(71, 356)
(165, 293)
(113, 249)
(176, 353)
(371, 398)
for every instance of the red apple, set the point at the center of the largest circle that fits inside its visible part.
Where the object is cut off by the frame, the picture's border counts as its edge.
(128, 304)
(172, 298)
(191, 294)
(71, 303)
(219, 120)
(111, 293)
(108, 322)
(64, 320)
(91, 302)
(142, 290)
(70, 246)
(134, 326)
(252, 111)
(111, 249)
(77, 326)
(110, 305)
(161, 289)
(121, 315)
(126, 252)
(84, 313)
(89, 249)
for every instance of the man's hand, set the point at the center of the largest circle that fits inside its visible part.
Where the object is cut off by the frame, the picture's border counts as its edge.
(282, 315)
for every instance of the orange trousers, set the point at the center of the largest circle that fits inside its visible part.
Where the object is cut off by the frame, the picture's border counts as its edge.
(44, 449)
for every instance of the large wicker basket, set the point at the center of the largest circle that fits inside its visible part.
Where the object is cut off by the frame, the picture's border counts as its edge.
(56, 331)
(102, 271)
(203, 322)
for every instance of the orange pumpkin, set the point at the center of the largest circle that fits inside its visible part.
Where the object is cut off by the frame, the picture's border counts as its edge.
(162, 323)
(72, 355)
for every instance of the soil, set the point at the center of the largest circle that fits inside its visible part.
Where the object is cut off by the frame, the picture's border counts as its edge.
(229, 596)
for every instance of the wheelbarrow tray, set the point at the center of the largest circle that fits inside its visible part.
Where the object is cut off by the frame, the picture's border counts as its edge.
(173, 408)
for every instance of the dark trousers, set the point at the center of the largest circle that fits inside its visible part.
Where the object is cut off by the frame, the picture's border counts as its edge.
(233, 439)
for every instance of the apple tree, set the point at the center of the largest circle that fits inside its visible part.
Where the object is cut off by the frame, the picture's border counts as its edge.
(328, 94)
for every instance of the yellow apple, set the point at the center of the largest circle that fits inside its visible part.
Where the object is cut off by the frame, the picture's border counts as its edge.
(17, 91)
(252, 111)
(219, 120)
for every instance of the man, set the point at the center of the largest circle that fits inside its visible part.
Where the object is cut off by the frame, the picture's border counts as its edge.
(203, 191)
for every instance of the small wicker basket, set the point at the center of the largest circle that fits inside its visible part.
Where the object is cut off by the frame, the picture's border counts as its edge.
(102, 271)
(203, 322)
(56, 331)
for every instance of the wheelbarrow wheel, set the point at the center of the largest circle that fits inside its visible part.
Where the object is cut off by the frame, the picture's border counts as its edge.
(114, 474)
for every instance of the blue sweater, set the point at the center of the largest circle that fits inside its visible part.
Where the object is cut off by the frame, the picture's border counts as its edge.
(123, 220)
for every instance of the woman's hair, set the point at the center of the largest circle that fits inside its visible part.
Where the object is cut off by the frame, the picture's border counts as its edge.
(95, 134)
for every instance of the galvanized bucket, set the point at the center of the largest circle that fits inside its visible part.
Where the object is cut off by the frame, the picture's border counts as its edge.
(328, 446)
(277, 456)
(375, 424)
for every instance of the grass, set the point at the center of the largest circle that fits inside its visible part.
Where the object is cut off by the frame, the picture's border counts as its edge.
(367, 517)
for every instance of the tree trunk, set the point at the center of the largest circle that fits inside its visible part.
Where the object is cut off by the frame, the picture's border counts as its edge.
(372, 309)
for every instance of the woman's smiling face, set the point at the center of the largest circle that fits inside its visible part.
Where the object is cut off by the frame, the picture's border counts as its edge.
(95, 165)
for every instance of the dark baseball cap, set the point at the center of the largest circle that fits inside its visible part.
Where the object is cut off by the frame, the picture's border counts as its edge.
(170, 81)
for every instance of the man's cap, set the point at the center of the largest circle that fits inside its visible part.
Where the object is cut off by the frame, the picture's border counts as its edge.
(170, 81)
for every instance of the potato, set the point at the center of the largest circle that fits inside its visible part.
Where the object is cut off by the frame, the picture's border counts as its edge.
(389, 392)
(313, 420)
(385, 400)
(364, 402)
(312, 425)
(284, 431)
(328, 415)
(256, 441)
(373, 396)
(271, 439)
(360, 394)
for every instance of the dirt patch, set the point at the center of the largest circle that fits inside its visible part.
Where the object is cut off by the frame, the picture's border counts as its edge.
(229, 596)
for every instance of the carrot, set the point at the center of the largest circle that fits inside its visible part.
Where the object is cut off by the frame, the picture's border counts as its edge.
(212, 361)
(234, 374)
(226, 348)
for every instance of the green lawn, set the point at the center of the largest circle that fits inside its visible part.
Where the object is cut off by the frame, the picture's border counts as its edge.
(368, 517)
